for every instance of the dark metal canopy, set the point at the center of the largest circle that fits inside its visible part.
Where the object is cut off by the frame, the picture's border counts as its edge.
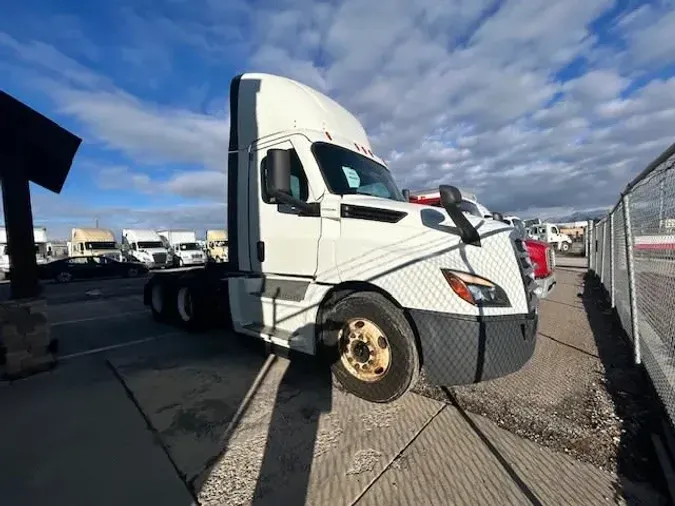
(32, 148)
(46, 150)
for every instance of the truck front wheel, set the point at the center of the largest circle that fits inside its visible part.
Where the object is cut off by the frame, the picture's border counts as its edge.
(371, 347)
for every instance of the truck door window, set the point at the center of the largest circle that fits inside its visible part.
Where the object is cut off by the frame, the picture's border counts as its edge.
(299, 183)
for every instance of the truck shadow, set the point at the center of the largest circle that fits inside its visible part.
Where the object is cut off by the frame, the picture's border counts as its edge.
(640, 477)
(238, 423)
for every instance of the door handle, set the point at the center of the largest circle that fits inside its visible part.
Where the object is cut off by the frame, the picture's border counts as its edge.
(260, 247)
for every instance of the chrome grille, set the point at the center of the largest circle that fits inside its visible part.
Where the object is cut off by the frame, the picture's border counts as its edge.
(159, 258)
(527, 273)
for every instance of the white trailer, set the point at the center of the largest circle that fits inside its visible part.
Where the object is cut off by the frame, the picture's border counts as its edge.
(184, 246)
(327, 257)
(41, 255)
(145, 246)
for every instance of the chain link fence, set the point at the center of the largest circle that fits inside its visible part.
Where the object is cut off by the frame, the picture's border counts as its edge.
(632, 251)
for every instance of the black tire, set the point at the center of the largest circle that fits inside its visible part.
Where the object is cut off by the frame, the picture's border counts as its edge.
(63, 277)
(159, 300)
(403, 367)
(190, 308)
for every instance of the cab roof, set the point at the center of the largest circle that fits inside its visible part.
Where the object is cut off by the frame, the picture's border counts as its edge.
(270, 104)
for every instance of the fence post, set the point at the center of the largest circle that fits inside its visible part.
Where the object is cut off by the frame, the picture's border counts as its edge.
(611, 257)
(592, 250)
(630, 266)
(587, 236)
(602, 253)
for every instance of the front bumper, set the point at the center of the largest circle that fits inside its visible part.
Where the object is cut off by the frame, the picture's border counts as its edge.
(458, 349)
(545, 286)
(194, 261)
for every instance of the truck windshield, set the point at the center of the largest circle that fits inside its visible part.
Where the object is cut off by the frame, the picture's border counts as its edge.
(100, 245)
(348, 173)
(189, 246)
(150, 244)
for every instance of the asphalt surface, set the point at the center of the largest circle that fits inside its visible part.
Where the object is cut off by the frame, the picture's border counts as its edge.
(140, 413)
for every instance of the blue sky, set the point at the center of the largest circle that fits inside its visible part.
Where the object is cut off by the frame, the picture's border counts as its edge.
(541, 107)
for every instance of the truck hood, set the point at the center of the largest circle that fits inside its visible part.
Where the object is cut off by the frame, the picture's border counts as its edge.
(425, 216)
(405, 256)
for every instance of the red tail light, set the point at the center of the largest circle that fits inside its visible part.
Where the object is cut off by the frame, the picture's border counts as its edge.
(539, 256)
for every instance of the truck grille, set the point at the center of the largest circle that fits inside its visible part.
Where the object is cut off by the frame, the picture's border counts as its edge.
(159, 258)
(550, 258)
(526, 272)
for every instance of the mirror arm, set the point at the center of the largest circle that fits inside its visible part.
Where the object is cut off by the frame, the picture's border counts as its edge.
(289, 200)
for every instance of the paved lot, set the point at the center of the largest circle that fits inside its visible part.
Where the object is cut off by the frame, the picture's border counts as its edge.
(138, 413)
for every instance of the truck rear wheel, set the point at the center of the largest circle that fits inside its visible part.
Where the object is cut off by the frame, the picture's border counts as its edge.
(191, 309)
(371, 347)
(161, 311)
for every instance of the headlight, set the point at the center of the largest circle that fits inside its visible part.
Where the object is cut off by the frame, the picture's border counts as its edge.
(476, 290)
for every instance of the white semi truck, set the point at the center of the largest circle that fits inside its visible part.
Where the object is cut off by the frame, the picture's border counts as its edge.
(547, 232)
(41, 253)
(89, 242)
(216, 245)
(327, 258)
(184, 247)
(146, 246)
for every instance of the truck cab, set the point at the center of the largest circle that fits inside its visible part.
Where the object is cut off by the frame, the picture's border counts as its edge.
(184, 247)
(549, 233)
(89, 242)
(328, 258)
(216, 245)
(145, 246)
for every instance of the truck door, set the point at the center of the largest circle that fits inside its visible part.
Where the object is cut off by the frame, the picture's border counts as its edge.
(286, 241)
(283, 251)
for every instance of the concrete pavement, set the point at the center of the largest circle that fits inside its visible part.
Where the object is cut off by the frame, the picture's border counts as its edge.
(138, 413)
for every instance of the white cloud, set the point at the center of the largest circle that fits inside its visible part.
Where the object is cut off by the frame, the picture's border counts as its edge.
(147, 131)
(204, 184)
(596, 85)
(466, 92)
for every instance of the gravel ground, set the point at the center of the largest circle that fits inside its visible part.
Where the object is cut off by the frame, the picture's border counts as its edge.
(580, 393)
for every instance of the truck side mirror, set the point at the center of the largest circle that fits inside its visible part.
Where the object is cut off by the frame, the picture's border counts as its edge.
(406, 195)
(278, 172)
(278, 180)
(450, 199)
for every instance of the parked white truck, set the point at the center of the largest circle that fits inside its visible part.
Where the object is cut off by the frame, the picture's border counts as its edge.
(184, 246)
(216, 245)
(145, 246)
(89, 242)
(546, 232)
(326, 257)
(41, 253)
